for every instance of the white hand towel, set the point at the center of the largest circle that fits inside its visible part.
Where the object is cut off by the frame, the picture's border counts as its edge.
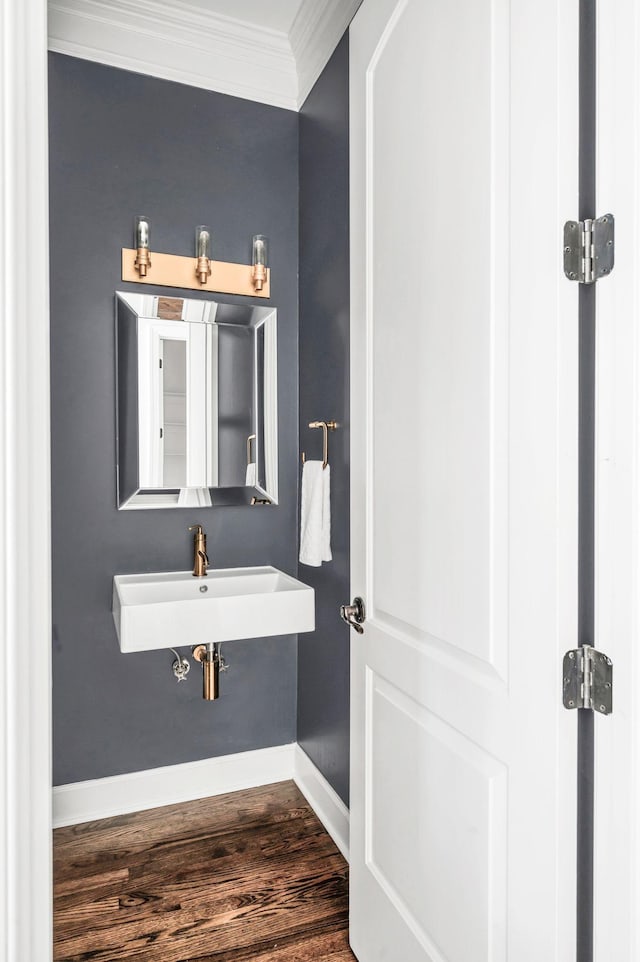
(326, 514)
(315, 514)
(251, 475)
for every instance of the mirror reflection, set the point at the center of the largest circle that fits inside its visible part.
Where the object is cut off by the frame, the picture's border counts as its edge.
(197, 402)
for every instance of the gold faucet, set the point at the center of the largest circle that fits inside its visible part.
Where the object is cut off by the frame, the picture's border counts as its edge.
(200, 559)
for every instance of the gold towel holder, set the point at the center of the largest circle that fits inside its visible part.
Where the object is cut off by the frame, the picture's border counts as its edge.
(326, 427)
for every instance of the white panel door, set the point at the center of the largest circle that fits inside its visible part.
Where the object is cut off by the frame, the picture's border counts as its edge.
(464, 479)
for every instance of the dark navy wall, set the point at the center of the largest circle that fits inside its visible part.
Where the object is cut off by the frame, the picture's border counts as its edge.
(123, 144)
(323, 657)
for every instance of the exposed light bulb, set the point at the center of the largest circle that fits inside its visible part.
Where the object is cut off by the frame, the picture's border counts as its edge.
(142, 232)
(260, 250)
(203, 241)
(203, 253)
(141, 240)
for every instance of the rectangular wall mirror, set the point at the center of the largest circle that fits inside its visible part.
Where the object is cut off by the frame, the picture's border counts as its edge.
(197, 420)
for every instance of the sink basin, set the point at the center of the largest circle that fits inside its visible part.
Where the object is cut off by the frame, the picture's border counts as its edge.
(173, 608)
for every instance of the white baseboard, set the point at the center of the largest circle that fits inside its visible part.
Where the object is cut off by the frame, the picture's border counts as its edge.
(135, 792)
(327, 805)
(121, 794)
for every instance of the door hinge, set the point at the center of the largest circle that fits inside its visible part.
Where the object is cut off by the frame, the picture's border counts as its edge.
(589, 248)
(587, 680)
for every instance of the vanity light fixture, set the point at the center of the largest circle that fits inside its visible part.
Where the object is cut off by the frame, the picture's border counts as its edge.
(175, 270)
(143, 260)
(203, 253)
(260, 260)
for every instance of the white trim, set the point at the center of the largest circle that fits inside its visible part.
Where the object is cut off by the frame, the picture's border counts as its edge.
(314, 35)
(137, 791)
(182, 44)
(173, 784)
(25, 510)
(325, 802)
(187, 45)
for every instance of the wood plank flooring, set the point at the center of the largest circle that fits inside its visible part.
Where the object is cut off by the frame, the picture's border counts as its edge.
(251, 875)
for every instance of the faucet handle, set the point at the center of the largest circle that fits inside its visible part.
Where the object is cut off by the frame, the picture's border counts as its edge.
(198, 526)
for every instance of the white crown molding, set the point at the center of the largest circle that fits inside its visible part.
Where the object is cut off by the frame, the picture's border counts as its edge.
(179, 43)
(135, 792)
(184, 44)
(315, 34)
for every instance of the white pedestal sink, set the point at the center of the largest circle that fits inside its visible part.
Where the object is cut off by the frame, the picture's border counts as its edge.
(171, 609)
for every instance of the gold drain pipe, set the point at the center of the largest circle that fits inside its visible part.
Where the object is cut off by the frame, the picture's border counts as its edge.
(211, 660)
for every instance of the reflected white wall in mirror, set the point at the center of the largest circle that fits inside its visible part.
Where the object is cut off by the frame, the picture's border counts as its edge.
(197, 402)
(173, 412)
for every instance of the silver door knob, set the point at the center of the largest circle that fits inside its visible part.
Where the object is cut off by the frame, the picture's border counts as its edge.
(354, 614)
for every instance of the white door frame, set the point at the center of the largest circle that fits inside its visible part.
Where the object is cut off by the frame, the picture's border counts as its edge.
(617, 508)
(25, 503)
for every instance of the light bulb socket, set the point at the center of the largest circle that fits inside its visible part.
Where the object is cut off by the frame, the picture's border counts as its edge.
(203, 253)
(260, 260)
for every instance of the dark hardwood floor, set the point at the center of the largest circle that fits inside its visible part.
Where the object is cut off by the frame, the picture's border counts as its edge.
(251, 875)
